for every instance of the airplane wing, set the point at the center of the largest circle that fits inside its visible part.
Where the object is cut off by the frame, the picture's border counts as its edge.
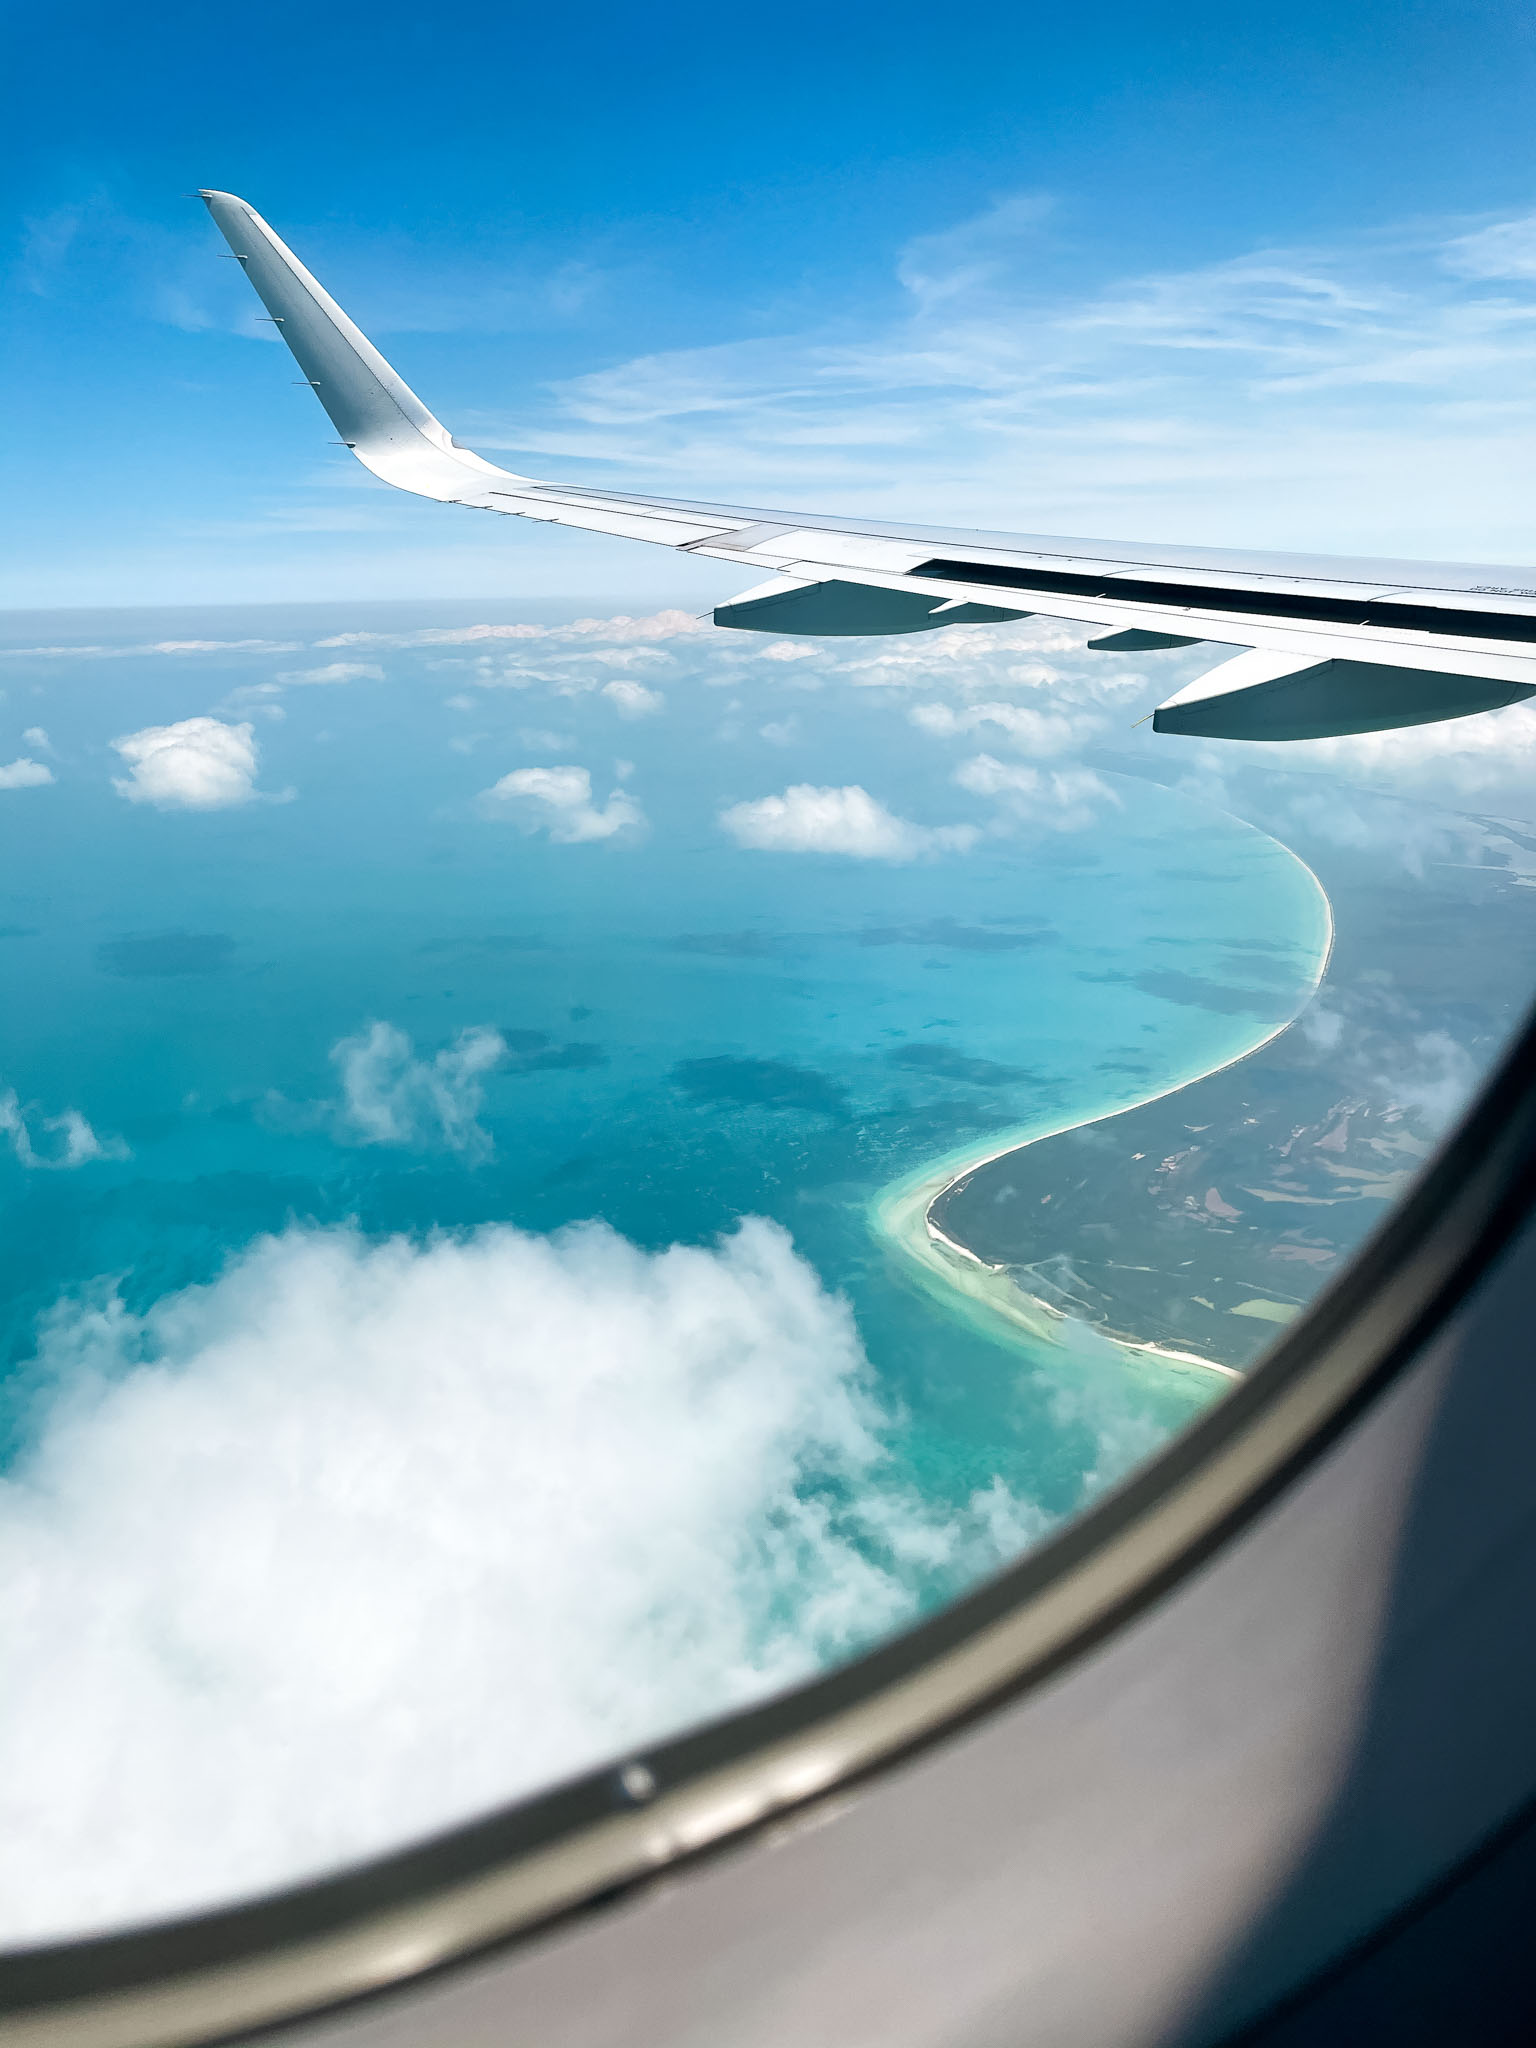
(1328, 646)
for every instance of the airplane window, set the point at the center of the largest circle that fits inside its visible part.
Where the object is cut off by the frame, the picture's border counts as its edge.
(565, 1175)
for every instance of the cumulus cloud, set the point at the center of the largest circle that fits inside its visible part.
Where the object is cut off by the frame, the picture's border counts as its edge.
(25, 773)
(1460, 757)
(71, 1140)
(558, 801)
(390, 1097)
(633, 700)
(806, 819)
(1036, 732)
(360, 1539)
(199, 764)
(1060, 799)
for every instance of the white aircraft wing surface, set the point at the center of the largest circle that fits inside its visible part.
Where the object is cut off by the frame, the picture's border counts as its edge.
(1328, 645)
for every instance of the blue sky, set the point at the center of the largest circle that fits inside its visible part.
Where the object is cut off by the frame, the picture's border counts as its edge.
(1255, 274)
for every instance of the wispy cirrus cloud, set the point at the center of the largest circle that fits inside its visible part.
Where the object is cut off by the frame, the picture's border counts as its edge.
(137, 651)
(334, 672)
(1375, 394)
(620, 630)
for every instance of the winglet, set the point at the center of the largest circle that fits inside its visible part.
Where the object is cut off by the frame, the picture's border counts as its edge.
(374, 410)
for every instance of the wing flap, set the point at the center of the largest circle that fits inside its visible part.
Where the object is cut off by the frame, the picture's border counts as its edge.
(1263, 695)
(836, 608)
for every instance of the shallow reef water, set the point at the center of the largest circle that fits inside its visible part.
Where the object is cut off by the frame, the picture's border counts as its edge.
(392, 1277)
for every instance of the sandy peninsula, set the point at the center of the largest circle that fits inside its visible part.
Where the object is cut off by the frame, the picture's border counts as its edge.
(902, 1215)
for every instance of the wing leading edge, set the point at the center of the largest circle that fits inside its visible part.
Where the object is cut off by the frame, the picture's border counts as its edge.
(1330, 646)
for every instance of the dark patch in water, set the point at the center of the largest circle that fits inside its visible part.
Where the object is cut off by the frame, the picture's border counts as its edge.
(960, 938)
(19, 931)
(1192, 990)
(531, 1052)
(1197, 993)
(1123, 1067)
(738, 945)
(570, 1170)
(774, 1084)
(575, 1057)
(579, 1013)
(166, 953)
(950, 1064)
(150, 1128)
(490, 944)
(1279, 973)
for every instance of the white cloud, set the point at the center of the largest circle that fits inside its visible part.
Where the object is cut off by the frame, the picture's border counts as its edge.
(335, 672)
(620, 657)
(806, 819)
(24, 774)
(1036, 732)
(99, 653)
(76, 1144)
(663, 625)
(559, 801)
(1460, 757)
(35, 736)
(975, 255)
(199, 764)
(390, 1097)
(1507, 249)
(1374, 395)
(360, 1539)
(1433, 1075)
(1060, 799)
(633, 700)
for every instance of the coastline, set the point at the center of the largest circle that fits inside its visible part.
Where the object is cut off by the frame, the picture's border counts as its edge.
(902, 1212)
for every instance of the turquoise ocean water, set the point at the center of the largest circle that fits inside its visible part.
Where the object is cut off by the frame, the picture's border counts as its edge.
(691, 1031)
